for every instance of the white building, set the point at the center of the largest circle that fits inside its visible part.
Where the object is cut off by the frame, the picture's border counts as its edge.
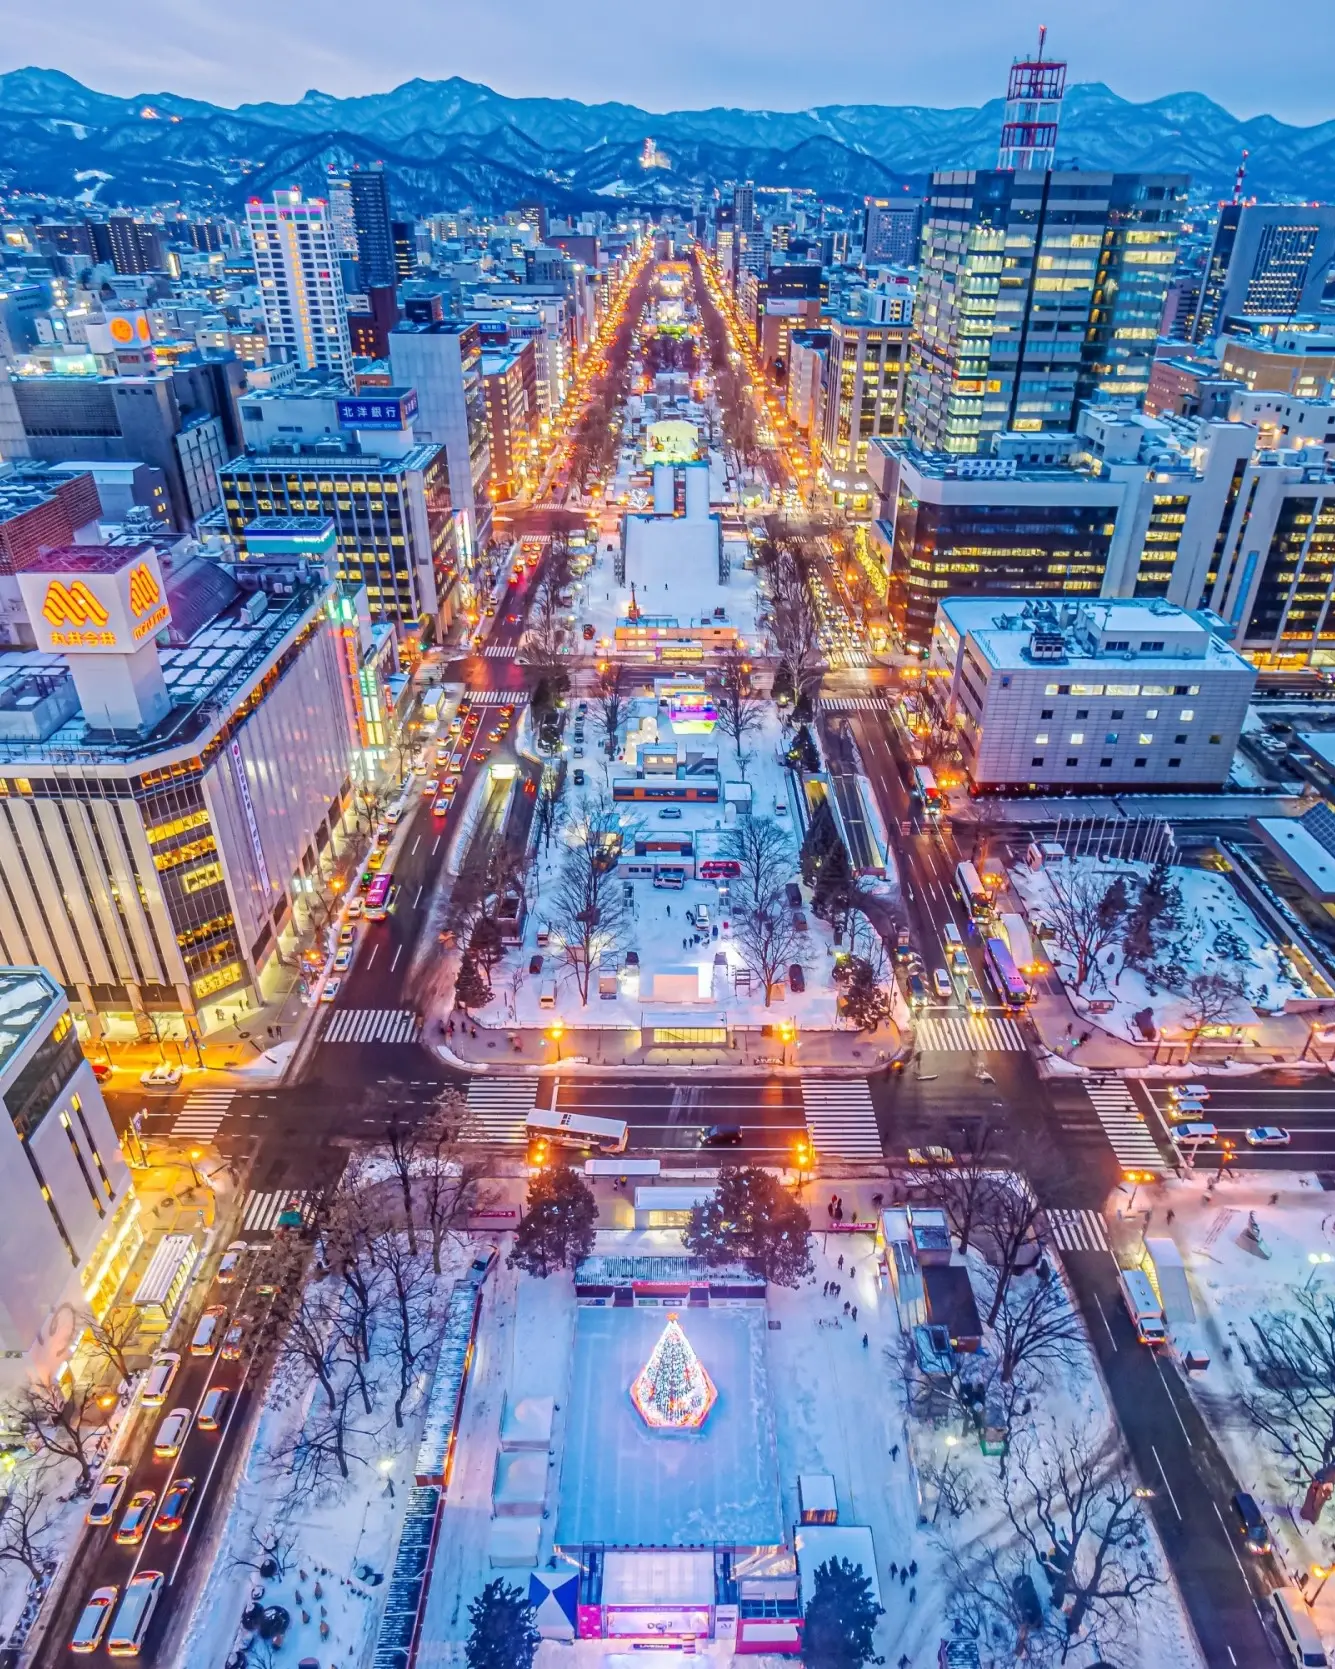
(69, 1225)
(1108, 697)
(296, 252)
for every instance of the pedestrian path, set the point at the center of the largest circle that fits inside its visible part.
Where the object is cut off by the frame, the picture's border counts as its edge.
(498, 1110)
(263, 1209)
(851, 704)
(1077, 1231)
(373, 1025)
(840, 1119)
(1124, 1124)
(203, 1112)
(501, 651)
(494, 698)
(958, 1033)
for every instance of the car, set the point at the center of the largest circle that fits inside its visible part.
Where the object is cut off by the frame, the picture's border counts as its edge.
(721, 1135)
(484, 1261)
(797, 980)
(93, 1619)
(162, 1076)
(1185, 1109)
(175, 1501)
(930, 1156)
(917, 990)
(235, 1342)
(205, 1338)
(107, 1495)
(669, 814)
(494, 735)
(160, 1377)
(167, 1443)
(480, 755)
(375, 860)
(508, 711)
(353, 908)
(210, 1410)
(439, 806)
(1189, 1092)
(588, 633)
(138, 1515)
(230, 1262)
(393, 814)
(430, 788)
(579, 750)
(1268, 1135)
(941, 982)
(535, 964)
(975, 1001)
(347, 934)
(343, 960)
(419, 767)
(1251, 1524)
(330, 990)
(1195, 1132)
(579, 777)
(101, 1071)
(512, 620)
(632, 958)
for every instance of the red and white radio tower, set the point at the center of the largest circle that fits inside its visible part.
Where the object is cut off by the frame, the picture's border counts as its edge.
(1033, 110)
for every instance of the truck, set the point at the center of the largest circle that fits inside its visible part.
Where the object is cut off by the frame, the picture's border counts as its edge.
(1142, 1305)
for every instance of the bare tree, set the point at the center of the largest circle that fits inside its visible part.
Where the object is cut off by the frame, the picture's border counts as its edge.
(611, 704)
(764, 849)
(1007, 1224)
(962, 1188)
(110, 1336)
(310, 1346)
(1077, 1511)
(325, 1445)
(587, 915)
(413, 1322)
(1087, 911)
(741, 712)
(55, 1422)
(790, 615)
(540, 648)
(551, 794)
(1212, 999)
(1036, 1326)
(25, 1522)
(268, 1552)
(767, 939)
(401, 1149)
(1291, 1353)
(447, 1183)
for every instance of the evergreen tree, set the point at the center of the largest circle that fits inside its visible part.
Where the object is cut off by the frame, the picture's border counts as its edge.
(471, 989)
(485, 945)
(556, 1231)
(752, 1217)
(503, 1633)
(840, 1622)
(865, 1002)
(803, 755)
(1152, 919)
(833, 887)
(782, 688)
(821, 837)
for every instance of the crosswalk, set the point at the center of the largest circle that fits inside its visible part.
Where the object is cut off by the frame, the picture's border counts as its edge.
(848, 657)
(500, 651)
(852, 704)
(373, 1025)
(494, 698)
(959, 1033)
(1124, 1124)
(203, 1112)
(840, 1119)
(263, 1208)
(1077, 1230)
(498, 1110)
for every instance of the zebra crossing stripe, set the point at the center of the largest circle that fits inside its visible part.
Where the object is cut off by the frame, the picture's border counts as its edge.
(495, 698)
(202, 1113)
(500, 651)
(1077, 1230)
(959, 1033)
(852, 704)
(1124, 1124)
(840, 1118)
(498, 1110)
(373, 1025)
(262, 1210)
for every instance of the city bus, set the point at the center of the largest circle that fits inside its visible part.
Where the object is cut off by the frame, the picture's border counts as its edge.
(380, 896)
(595, 1135)
(1003, 976)
(973, 894)
(925, 790)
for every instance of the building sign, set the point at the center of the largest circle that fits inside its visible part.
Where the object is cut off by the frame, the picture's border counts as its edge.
(390, 409)
(252, 823)
(91, 605)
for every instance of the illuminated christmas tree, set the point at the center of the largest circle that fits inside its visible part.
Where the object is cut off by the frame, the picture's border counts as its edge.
(673, 1392)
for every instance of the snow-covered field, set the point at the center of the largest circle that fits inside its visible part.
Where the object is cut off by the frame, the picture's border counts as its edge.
(660, 929)
(1213, 926)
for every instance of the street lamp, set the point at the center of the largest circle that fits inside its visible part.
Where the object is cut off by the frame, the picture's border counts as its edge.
(554, 1031)
(1324, 1572)
(802, 1157)
(1316, 1259)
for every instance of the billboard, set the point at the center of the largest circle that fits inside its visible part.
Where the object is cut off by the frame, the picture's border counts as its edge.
(118, 332)
(93, 606)
(389, 408)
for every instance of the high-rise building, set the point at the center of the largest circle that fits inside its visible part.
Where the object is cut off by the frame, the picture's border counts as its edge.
(442, 360)
(371, 215)
(1266, 258)
(341, 213)
(1033, 112)
(135, 247)
(296, 262)
(891, 230)
(1037, 291)
(403, 236)
(866, 373)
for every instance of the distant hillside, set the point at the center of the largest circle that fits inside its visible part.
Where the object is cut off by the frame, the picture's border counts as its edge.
(451, 143)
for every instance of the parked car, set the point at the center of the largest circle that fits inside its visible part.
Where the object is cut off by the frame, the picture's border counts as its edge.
(669, 814)
(484, 1261)
(107, 1495)
(161, 1076)
(347, 934)
(793, 893)
(205, 1339)
(1251, 1524)
(579, 778)
(353, 908)
(797, 980)
(330, 990)
(166, 1365)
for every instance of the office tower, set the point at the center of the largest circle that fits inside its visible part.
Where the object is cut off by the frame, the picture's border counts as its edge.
(341, 213)
(890, 231)
(135, 248)
(1033, 110)
(297, 267)
(1037, 291)
(403, 237)
(866, 371)
(371, 215)
(744, 208)
(442, 360)
(1266, 258)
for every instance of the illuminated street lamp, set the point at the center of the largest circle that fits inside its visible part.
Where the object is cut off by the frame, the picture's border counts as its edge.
(555, 1031)
(1324, 1572)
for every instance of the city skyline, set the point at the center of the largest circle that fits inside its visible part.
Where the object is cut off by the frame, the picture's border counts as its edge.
(749, 59)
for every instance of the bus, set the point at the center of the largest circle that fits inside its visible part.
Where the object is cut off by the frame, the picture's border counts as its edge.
(594, 1135)
(1003, 976)
(380, 896)
(926, 791)
(719, 869)
(1021, 943)
(973, 894)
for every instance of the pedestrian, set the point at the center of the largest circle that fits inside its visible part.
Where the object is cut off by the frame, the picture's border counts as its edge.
(825, 1290)
(669, 909)
(829, 1209)
(839, 1212)
(854, 1312)
(903, 1575)
(864, 1341)
(845, 1306)
(904, 1661)
(913, 1595)
(1274, 1199)
(894, 1569)
(841, 1255)
(894, 1451)
(1171, 1214)
(913, 1567)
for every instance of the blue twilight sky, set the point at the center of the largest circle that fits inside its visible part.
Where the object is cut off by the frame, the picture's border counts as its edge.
(664, 54)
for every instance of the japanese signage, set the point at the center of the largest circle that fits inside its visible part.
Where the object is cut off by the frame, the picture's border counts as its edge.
(392, 409)
(88, 608)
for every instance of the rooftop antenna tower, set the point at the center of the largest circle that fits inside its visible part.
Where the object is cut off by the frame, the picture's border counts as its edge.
(1033, 110)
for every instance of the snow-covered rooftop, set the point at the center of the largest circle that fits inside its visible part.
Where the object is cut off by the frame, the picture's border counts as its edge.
(25, 996)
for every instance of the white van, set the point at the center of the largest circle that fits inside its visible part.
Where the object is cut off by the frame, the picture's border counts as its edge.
(1194, 1132)
(1142, 1306)
(950, 937)
(211, 1323)
(547, 994)
(1297, 1630)
(160, 1377)
(136, 1613)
